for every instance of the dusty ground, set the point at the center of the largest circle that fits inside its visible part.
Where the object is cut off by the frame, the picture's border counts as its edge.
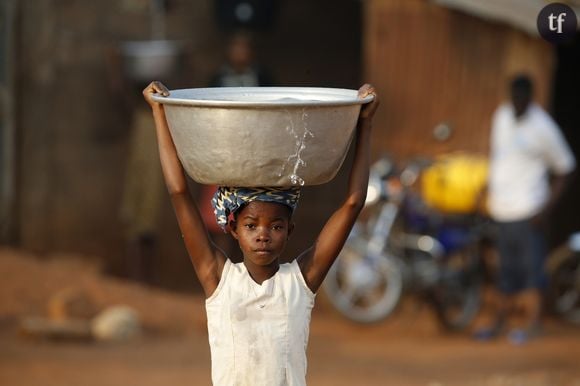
(408, 349)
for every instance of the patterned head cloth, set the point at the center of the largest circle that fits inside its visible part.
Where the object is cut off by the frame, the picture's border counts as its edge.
(228, 200)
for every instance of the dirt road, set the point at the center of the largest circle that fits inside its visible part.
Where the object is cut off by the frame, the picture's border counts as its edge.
(405, 350)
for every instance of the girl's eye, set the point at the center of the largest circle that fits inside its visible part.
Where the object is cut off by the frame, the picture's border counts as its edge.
(277, 227)
(250, 226)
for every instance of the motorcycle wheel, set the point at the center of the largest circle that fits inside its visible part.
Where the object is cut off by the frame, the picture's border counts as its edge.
(361, 288)
(457, 296)
(565, 288)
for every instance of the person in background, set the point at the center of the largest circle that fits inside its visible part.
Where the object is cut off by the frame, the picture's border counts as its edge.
(240, 68)
(530, 166)
(143, 185)
(142, 198)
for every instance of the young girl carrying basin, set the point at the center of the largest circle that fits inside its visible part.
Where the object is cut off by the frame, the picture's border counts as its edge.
(259, 310)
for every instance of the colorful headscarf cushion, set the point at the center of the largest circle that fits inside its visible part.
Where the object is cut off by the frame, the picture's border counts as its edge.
(227, 200)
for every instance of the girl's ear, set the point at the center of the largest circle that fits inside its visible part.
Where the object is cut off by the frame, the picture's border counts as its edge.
(233, 229)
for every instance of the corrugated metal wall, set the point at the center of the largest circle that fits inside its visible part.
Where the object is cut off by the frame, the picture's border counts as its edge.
(432, 65)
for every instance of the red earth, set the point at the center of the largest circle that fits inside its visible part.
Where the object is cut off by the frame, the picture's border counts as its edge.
(407, 349)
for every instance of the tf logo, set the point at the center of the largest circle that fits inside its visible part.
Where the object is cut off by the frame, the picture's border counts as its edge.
(557, 23)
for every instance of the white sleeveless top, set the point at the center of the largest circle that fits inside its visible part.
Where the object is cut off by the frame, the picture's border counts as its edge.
(258, 333)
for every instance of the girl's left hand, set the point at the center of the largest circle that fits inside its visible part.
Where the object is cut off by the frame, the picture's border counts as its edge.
(368, 110)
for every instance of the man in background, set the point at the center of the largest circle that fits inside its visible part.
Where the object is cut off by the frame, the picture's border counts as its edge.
(530, 166)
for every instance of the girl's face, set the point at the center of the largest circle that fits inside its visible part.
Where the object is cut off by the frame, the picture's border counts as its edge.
(262, 229)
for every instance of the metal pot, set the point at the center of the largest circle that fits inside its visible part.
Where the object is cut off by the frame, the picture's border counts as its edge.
(262, 136)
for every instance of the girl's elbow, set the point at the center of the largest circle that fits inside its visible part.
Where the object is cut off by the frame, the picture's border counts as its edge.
(177, 191)
(356, 201)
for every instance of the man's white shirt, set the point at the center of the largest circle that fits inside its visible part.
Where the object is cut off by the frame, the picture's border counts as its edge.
(523, 153)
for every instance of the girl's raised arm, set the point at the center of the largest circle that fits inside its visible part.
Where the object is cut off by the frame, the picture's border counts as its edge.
(208, 261)
(317, 260)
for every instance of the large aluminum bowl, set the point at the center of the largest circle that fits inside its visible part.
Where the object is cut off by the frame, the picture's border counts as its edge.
(262, 136)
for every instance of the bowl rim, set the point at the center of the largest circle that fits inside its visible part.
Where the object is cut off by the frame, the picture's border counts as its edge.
(346, 97)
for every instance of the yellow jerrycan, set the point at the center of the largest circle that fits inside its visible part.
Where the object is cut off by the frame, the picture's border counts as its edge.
(454, 182)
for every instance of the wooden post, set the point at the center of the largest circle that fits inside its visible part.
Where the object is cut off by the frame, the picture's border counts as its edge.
(7, 124)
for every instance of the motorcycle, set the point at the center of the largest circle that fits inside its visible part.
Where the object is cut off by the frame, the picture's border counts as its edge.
(563, 267)
(397, 247)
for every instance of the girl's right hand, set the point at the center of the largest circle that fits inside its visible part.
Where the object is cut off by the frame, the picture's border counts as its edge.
(154, 87)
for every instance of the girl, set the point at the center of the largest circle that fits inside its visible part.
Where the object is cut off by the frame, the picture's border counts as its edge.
(258, 310)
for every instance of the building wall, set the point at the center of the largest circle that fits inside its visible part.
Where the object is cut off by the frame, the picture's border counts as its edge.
(73, 130)
(435, 66)
(430, 65)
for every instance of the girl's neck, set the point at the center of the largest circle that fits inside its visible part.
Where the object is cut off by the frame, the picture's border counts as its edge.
(261, 273)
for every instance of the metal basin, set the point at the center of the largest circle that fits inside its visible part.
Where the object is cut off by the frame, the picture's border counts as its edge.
(262, 136)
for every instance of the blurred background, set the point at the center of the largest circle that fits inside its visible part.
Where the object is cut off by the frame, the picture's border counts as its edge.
(71, 73)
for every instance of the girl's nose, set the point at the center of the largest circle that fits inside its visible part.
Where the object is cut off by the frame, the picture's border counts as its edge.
(263, 235)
